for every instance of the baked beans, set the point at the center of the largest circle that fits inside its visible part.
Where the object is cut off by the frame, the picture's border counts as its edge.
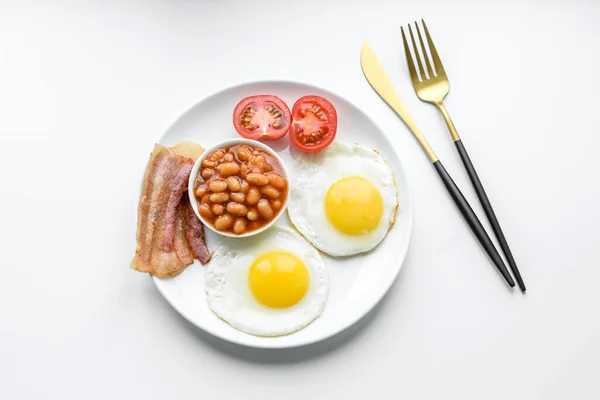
(240, 188)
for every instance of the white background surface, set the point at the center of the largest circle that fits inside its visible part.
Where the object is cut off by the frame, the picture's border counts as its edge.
(85, 90)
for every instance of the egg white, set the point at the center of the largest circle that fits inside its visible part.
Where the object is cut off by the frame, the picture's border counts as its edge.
(229, 296)
(311, 178)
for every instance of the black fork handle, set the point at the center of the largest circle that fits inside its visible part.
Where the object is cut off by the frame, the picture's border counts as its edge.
(489, 211)
(473, 222)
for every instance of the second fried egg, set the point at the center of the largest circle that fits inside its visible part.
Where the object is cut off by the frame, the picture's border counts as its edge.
(343, 199)
(271, 284)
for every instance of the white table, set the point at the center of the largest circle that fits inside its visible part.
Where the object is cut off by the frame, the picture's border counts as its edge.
(85, 90)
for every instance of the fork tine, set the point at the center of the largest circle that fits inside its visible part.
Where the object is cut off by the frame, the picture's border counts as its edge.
(439, 68)
(409, 60)
(417, 56)
(425, 56)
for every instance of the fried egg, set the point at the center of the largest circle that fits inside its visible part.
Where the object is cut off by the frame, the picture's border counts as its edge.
(271, 284)
(343, 199)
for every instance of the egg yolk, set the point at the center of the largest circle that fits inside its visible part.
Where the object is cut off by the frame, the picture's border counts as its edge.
(278, 279)
(354, 206)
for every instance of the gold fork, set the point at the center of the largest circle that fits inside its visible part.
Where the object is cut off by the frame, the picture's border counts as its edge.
(433, 86)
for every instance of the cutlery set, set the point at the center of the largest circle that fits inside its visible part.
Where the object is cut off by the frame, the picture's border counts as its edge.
(431, 85)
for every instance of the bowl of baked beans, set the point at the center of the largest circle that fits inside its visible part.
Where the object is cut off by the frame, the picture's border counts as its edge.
(238, 187)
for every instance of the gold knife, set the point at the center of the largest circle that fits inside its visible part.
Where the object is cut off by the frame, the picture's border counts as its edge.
(379, 80)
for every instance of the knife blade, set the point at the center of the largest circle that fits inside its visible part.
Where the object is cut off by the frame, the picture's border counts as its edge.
(380, 81)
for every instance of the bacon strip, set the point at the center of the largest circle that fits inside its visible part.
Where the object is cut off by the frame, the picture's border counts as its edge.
(182, 246)
(164, 184)
(195, 235)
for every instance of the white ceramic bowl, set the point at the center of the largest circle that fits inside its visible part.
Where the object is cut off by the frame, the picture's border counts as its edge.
(234, 142)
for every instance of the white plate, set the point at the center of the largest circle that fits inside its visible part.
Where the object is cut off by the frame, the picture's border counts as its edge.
(357, 283)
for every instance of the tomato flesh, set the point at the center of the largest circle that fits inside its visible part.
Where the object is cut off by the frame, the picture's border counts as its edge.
(314, 124)
(262, 117)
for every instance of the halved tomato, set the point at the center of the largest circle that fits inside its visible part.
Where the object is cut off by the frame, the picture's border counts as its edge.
(262, 117)
(314, 124)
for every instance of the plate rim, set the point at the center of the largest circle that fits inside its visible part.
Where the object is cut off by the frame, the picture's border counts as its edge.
(334, 332)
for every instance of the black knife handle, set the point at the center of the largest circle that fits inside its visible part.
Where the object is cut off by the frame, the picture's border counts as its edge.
(487, 207)
(473, 222)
